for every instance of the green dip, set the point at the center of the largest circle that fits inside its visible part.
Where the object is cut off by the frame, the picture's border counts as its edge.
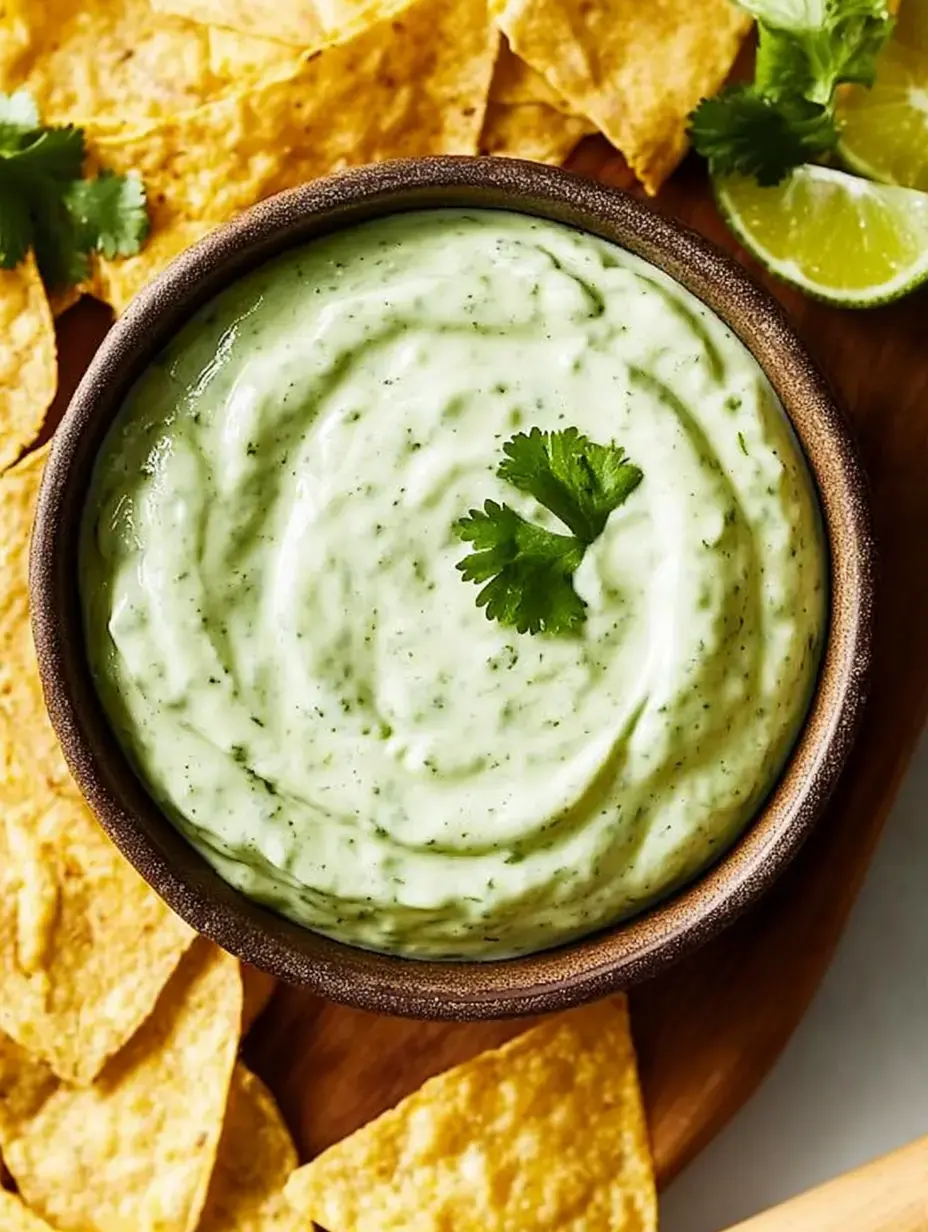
(302, 678)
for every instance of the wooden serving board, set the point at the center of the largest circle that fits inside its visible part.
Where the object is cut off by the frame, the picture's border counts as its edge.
(708, 1030)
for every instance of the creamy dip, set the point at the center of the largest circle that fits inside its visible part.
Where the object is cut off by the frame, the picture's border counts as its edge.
(304, 681)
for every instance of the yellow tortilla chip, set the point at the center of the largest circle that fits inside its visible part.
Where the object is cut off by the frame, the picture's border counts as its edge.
(136, 1150)
(301, 23)
(28, 360)
(256, 1156)
(525, 118)
(85, 945)
(515, 82)
(113, 61)
(545, 1133)
(531, 130)
(635, 69)
(25, 1084)
(15, 1216)
(414, 85)
(257, 990)
(21, 700)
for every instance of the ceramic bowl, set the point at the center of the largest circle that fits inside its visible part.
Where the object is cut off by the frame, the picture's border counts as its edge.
(598, 964)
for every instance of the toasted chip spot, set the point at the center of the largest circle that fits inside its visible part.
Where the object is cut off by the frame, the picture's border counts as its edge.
(28, 359)
(256, 1156)
(136, 1150)
(545, 1133)
(635, 70)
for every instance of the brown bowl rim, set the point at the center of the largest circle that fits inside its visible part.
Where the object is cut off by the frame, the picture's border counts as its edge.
(595, 965)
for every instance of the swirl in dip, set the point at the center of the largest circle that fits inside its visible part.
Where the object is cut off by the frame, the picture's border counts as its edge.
(300, 675)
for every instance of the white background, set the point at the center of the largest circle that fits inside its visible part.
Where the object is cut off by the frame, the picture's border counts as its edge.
(853, 1082)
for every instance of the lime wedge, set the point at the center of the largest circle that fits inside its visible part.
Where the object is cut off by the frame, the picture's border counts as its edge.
(840, 238)
(884, 130)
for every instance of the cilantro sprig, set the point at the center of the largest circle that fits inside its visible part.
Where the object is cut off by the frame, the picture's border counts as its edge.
(528, 569)
(46, 205)
(806, 49)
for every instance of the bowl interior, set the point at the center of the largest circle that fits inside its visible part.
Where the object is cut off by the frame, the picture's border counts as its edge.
(551, 979)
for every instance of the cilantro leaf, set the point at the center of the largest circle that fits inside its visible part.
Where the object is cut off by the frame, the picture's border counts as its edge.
(528, 569)
(109, 213)
(53, 153)
(45, 205)
(579, 481)
(808, 47)
(15, 227)
(743, 132)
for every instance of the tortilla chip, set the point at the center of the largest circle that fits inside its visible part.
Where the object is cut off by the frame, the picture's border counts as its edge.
(531, 130)
(414, 85)
(15, 1216)
(25, 1085)
(120, 279)
(136, 1150)
(257, 989)
(21, 700)
(515, 82)
(545, 1133)
(113, 61)
(636, 70)
(85, 945)
(256, 1156)
(28, 360)
(304, 24)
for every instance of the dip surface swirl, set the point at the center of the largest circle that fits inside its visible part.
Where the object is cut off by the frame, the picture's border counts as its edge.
(304, 682)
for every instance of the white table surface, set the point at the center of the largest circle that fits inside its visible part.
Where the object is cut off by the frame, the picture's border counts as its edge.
(853, 1081)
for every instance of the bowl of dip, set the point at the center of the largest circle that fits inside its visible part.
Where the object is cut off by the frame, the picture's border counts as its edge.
(277, 689)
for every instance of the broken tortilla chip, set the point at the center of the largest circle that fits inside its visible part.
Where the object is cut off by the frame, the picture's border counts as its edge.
(414, 85)
(301, 23)
(600, 56)
(113, 61)
(15, 1216)
(545, 1133)
(28, 360)
(136, 1150)
(256, 1156)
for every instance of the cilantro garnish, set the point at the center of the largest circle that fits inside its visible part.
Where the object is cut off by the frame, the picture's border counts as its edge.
(46, 205)
(806, 49)
(741, 130)
(528, 569)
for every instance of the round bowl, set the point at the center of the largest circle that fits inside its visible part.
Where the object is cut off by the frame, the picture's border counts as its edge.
(595, 965)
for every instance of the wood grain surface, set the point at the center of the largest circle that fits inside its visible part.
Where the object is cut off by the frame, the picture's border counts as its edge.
(708, 1030)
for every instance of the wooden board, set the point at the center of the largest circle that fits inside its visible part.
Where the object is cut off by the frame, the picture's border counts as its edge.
(708, 1030)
